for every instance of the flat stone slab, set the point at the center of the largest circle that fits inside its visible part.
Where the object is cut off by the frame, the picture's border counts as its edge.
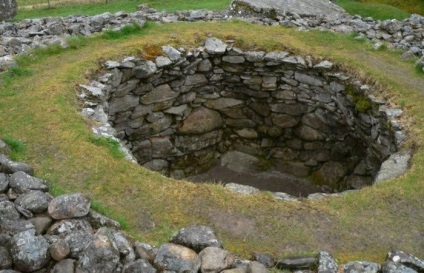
(270, 8)
(394, 167)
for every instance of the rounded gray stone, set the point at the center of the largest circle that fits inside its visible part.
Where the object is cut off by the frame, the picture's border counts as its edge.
(177, 258)
(215, 259)
(34, 201)
(21, 182)
(196, 238)
(69, 206)
(29, 252)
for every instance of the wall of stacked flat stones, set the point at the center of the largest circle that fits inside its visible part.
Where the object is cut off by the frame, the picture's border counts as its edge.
(177, 115)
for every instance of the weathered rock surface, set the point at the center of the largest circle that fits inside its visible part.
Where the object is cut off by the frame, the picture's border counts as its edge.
(8, 9)
(29, 252)
(22, 182)
(215, 259)
(326, 263)
(69, 206)
(201, 120)
(272, 8)
(172, 257)
(101, 255)
(196, 238)
(361, 267)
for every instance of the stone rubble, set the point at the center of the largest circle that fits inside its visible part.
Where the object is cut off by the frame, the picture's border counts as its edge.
(205, 106)
(20, 37)
(85, 241)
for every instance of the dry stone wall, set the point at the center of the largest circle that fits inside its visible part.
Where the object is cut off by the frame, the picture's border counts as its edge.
(33, 33)
(182, 111)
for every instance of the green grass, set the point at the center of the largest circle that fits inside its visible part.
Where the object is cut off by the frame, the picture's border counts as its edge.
(378, 11)
(411, 6)
(17, 148)
(110, 144)
(61, 148)
(125, 5)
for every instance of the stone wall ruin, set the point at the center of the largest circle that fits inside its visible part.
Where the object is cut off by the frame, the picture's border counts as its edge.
(181, 112)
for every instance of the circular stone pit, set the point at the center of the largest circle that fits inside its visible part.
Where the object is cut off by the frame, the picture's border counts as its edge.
(272, 120)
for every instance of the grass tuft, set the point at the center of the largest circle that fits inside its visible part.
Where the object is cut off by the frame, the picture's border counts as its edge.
(122, 33)
(111, 144)
(17, 148)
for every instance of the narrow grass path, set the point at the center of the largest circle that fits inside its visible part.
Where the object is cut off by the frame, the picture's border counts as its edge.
(41, 110)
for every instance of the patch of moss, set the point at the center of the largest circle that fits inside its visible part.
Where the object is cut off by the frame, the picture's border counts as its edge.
(361, 101)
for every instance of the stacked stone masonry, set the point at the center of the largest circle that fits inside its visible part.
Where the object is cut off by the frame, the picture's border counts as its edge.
(41, 233)
(20, 37)
(180, 112)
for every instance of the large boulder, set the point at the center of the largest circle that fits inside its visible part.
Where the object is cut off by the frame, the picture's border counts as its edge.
(8, 9)
(215, 259)
(272, 8)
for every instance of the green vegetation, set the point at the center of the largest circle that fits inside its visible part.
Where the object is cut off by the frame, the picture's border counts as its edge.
(111, 144)
(361, 101)
(122, 33)
(115, 6)
(379, 11)
(17, 148)
(411, 6)
(61, 148)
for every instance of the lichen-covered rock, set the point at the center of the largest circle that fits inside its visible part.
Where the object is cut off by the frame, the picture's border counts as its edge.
(215, 259)
(406, 259)
(9, 166)
(272, 8)
(361, 267)
(196, 238)
(65, 227)
(172, 257)
(22, 182)
(34, 201)
(78, 241)
(8, 211)
(326, 263)
(125, 249)
(215, 46)
(139, 266)
(29, 252)
(392, 267)
(69, 206)
(101, 255)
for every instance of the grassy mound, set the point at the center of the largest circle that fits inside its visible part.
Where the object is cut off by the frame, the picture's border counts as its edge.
(39, 110)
